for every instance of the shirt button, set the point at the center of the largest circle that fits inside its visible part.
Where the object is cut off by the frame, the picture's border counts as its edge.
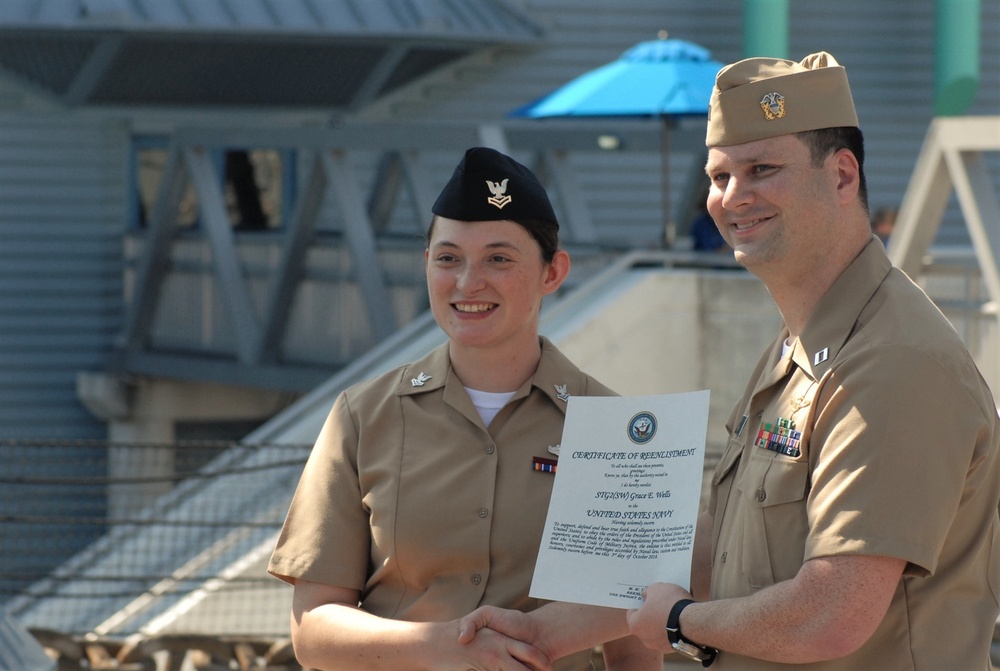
(484, 512)
(761, 495)
(491, 448)
(476, 578)
(760, 415)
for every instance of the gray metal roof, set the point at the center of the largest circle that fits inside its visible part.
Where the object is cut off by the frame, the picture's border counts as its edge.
(337, 54)
(19, 650)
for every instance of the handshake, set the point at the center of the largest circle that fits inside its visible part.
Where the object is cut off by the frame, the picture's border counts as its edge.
(633, 639)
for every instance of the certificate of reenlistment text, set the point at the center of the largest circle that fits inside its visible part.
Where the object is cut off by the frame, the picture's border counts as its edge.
(625, 498)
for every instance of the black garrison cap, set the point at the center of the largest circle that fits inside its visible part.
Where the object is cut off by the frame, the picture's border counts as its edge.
(488, 186)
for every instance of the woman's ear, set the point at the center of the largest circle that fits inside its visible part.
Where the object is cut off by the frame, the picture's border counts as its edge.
(556, 272)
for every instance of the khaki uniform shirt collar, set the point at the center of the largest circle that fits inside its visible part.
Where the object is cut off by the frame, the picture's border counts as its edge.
(551, 377)
(434, 372)
(776, 365)
(426, 374)
(837, 313)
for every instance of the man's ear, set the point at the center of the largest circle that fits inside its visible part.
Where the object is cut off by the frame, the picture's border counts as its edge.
(848, 175)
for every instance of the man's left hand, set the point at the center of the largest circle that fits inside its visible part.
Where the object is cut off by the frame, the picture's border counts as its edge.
(648, 622)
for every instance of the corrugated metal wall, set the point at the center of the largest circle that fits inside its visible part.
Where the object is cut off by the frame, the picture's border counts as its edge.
(61, 221)
(60, 301)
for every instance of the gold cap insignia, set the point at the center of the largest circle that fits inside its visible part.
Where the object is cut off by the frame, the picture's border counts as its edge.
(773, 105)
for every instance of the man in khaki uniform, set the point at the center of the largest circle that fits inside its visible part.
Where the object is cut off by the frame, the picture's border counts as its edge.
(853, 518)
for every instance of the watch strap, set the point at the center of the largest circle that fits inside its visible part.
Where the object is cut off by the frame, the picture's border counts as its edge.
(674, 620)
(678, 642)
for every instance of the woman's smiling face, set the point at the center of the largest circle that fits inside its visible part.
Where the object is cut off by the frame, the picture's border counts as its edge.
(486, 281)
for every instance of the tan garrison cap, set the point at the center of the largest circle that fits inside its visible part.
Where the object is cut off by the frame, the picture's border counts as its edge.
(757, 98)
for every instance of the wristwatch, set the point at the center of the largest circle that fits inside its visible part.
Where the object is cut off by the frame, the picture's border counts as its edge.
(681, 645)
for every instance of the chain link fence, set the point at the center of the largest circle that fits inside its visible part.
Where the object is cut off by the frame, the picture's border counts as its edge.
(110, 539)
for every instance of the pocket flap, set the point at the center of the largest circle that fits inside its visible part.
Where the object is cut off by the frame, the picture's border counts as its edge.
(783, 481)
(731, 456)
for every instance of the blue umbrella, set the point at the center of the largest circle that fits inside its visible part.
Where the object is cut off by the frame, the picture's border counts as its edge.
(654, 78)
(659, 78)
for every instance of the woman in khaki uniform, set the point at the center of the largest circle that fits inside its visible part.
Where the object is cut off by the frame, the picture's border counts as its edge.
(426, 492)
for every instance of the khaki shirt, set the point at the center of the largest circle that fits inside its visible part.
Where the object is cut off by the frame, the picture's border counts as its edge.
(408, 497)
(874, 435)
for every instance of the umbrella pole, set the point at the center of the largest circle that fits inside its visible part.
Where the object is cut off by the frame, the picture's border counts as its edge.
(669, 228)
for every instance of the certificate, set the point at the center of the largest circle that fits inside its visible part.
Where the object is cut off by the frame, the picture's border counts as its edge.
(625, 498)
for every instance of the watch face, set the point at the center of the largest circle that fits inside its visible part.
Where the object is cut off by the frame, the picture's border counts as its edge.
(690, 651)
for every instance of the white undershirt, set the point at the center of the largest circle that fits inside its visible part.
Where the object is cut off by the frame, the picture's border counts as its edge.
(488, 403)
(785, 346)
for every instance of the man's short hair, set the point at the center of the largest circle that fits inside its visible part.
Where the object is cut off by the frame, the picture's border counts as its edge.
(825, 141)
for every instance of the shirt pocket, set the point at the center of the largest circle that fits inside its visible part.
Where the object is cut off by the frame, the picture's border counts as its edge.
(722, 485)
(773, 490)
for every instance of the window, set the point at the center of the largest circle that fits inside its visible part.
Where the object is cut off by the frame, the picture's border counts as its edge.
(258, 185)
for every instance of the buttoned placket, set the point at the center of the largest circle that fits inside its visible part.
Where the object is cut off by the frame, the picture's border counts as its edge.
(761, 397)
(483, 513)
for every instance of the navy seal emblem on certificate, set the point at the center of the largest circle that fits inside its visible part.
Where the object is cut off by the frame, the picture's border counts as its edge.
(642, 427)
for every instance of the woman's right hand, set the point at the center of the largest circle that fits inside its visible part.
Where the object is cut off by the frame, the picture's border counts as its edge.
(329, 631)
(489, 650)
(515, 624)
